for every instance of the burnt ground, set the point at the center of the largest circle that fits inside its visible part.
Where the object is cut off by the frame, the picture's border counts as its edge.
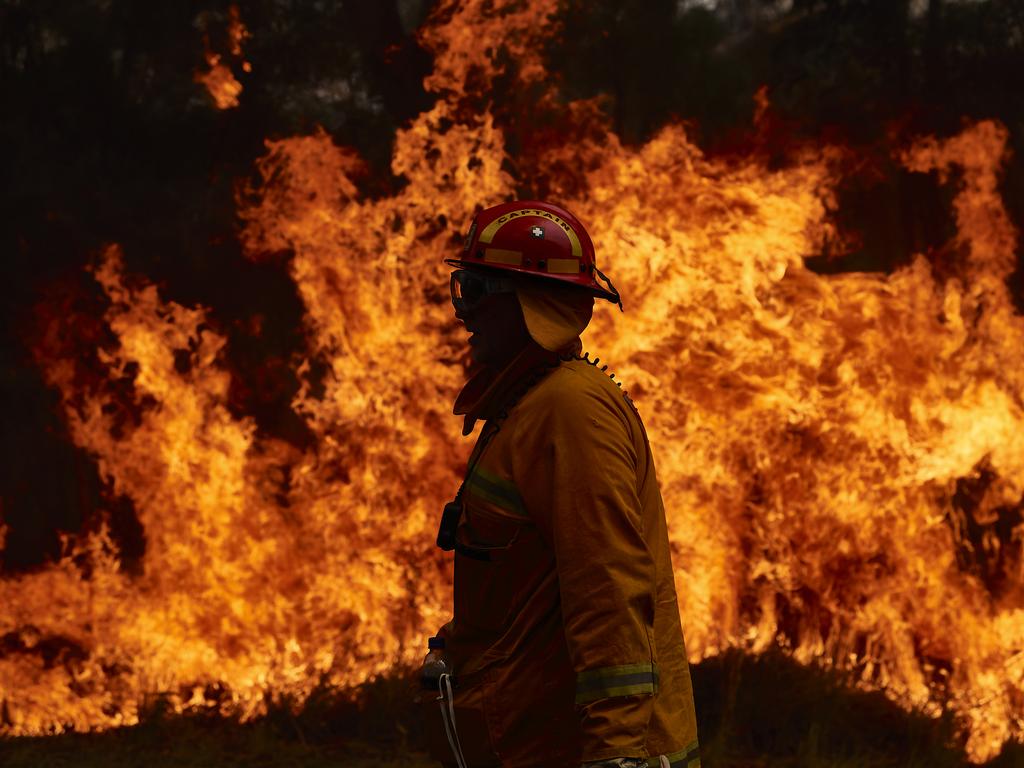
(753, 712)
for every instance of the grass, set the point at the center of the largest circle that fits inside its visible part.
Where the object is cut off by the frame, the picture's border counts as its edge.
(753, 712)
(770, 711)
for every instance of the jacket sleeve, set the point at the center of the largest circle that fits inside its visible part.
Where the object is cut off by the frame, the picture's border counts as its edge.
(445, 629)
(576, 466)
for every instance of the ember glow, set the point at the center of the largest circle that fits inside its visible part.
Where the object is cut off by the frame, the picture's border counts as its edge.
(842, 456)
(218, 78)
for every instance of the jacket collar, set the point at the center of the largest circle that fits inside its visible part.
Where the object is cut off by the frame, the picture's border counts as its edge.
(487, 391)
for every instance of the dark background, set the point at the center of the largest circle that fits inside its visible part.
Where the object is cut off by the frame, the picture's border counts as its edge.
(109, 138)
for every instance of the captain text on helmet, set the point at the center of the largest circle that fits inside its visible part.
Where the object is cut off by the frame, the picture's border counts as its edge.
(565, 646)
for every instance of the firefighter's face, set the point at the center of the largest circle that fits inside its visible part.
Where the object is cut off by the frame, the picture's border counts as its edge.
(497, 329)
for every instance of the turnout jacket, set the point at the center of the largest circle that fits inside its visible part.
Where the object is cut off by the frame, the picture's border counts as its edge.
(566, 643)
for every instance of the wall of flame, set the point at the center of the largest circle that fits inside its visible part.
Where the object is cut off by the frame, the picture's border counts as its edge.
(816, 436)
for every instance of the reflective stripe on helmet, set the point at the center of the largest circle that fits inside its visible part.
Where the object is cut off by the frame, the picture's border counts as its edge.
(502, 256)
(564, 266)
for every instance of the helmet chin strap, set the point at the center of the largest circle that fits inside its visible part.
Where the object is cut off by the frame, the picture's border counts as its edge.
(618, 299)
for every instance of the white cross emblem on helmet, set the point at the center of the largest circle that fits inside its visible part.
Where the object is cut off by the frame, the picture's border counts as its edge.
(537, 232)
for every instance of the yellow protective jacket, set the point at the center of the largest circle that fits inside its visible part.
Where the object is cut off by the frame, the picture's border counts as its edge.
(566, 643)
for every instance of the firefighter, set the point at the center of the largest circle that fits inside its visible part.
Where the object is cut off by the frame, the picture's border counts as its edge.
(565, 647)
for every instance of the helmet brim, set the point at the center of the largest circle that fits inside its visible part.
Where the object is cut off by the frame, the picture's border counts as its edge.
(533, 277)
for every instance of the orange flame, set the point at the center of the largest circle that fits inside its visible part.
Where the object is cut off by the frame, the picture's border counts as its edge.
(816, 436)
(219, 80)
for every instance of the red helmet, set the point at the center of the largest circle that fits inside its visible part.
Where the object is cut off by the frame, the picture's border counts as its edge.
(534, 238)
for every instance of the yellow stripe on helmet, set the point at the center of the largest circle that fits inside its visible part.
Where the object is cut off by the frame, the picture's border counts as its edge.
(564, 266)
(501, 256)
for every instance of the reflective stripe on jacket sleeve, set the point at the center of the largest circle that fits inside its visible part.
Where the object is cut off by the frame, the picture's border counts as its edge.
(622, 680)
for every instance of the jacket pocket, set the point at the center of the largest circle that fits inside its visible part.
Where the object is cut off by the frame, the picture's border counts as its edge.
(470, 701)
(487, 572)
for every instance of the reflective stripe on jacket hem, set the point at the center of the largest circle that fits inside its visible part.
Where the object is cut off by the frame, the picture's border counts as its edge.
(623, 680)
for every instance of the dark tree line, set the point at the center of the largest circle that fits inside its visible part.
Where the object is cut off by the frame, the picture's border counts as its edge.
(109, 138)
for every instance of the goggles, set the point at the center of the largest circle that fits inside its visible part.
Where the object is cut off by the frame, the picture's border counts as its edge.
(469, 288)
